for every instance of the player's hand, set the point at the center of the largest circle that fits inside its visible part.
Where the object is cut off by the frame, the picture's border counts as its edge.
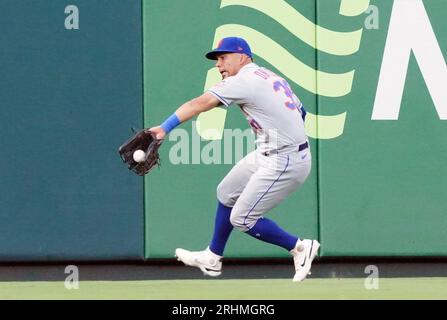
(158, 131)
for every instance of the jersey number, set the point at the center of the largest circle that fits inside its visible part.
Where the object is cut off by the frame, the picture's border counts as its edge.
(277, 85)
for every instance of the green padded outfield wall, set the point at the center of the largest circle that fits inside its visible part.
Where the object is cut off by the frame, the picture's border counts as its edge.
(68, 99)
(383, 181)
(181, 198)
(371, 73)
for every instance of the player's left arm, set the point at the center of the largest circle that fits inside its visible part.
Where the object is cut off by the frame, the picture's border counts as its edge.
(185, 112)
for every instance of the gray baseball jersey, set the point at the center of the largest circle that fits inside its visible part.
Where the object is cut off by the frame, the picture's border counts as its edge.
(269, 104)
(259, 182)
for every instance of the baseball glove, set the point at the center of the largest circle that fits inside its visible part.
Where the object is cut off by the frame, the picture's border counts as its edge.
(142, 140)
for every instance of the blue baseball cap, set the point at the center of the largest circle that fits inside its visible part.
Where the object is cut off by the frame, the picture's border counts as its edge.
(230, 44)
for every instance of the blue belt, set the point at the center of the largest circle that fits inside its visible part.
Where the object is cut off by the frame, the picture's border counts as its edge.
(301, 147)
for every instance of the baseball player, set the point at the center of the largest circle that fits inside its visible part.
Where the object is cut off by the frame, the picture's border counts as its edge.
(280, 164)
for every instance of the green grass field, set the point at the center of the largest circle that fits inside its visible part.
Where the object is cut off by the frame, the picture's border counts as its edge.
(389, 288)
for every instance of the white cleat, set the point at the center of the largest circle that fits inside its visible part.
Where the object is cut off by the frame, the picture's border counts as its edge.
(207, 261)
(303, 255)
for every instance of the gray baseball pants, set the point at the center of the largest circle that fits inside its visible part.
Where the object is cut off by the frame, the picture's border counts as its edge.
(258, 183)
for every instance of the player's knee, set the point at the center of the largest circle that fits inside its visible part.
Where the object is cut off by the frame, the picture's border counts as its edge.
(223, 195)
(238, 222)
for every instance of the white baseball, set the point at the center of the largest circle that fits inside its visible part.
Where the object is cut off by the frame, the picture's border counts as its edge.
(139, 155)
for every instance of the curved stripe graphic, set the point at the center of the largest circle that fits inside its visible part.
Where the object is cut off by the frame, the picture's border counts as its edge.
(213, 77)
(325, 127)
(336, 43)
(329, 84)
(353, 7)
(210, 125)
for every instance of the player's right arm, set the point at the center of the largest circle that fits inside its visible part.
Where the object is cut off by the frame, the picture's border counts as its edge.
(186, 111)
(196, 106)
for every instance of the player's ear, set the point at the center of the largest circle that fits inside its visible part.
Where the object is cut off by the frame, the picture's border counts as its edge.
(243, 58)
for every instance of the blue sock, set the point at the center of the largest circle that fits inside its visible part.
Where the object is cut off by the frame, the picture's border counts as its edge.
(268, 231)
(222, 229)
